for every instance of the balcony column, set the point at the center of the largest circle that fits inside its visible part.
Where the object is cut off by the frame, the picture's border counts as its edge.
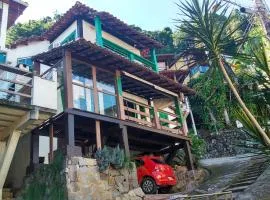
(155, 114)
(67, 74)
(119, 94)
(98, 27)
(96, 107)
(154, 60)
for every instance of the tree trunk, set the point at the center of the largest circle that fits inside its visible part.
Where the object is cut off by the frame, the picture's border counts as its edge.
(242, 104)
(226, 117)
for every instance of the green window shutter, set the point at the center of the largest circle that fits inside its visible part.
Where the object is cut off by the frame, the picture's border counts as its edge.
(164, 116)
(71, 37)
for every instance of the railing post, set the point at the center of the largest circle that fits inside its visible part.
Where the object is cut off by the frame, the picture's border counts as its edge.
(119, 93)
(154, 60)
(98, 28)
(68, 88)
(155, 114)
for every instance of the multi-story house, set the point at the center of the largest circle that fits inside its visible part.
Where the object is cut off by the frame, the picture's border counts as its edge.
(108, 93)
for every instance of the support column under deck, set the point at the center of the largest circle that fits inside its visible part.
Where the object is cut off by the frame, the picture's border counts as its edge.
(7, 158)
(124, 140)
(188, 153)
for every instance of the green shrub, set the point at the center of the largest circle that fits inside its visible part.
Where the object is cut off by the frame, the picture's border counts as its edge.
(47, 182)
(114, 157)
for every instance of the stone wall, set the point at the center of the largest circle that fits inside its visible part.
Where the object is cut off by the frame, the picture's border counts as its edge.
(85, 182)
(225, 144)
(187, 181)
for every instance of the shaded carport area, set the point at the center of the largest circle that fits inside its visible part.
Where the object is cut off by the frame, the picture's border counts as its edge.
(133, 138)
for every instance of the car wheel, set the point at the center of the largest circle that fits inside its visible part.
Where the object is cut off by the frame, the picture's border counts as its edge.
(149, 186)
(165, 190)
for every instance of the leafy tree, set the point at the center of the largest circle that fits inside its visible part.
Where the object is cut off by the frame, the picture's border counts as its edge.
(30, 28)
(213, 35)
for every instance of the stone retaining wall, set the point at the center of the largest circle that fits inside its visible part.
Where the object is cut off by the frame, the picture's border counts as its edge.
(85, 182)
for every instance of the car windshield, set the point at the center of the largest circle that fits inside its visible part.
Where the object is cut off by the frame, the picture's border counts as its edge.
(158, 161)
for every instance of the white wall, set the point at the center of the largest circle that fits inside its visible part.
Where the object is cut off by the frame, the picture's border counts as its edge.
(44, 93)
(4, 26)
(89, 33)
(65, 33)
(29, 50)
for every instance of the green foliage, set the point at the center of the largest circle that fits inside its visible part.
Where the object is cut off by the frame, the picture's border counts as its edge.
(198, 150)
(198, 147)
(114, 157)
(211, 96)
(256, 142)
(30, 28)
(48, 182)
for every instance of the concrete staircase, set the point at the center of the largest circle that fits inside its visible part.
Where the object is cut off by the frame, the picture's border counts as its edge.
(249, 176)
(7, 194)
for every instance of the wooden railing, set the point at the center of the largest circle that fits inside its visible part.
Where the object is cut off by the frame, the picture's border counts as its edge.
(15, 85)
(144, 114)
(128, 54)
(169, 121)
(137, 112)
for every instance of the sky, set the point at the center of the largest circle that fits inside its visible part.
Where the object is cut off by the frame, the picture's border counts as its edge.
(147, 14)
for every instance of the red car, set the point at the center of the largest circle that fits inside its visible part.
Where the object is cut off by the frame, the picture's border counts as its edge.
(153, 174)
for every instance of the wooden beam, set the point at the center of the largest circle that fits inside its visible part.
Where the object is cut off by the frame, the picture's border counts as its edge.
(69, 130)
(119, 93)
(189, 157)
(155, 113)
(34, 152)
(164, 91)
(95, 89)
(68, 88)
(125, 139)
(98, 135)
(79, 28)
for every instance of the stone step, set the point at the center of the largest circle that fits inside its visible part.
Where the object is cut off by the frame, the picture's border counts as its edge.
(242, 183)
(247, 178)
(237, 189)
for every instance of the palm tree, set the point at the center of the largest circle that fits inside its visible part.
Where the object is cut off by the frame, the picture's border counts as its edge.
(209, 27)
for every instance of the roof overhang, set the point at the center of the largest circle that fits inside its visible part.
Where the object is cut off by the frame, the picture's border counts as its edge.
(102, 57)
(16, 8)
(110, 24)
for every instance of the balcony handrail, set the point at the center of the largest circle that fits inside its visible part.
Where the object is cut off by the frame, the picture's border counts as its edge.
(126, 53)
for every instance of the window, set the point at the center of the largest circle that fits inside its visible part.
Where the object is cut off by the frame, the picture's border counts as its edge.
(2, 58)
(71, 37)
(26, 61)
(106, 93)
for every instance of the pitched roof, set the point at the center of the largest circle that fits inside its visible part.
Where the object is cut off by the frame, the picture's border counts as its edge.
(25, 41)
(16, 8)
(110, 24)
(102, 57)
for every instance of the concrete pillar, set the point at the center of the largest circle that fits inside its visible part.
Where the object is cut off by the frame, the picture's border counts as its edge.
(8, 156)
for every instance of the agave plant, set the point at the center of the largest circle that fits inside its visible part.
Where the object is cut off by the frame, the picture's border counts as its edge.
(208, 25)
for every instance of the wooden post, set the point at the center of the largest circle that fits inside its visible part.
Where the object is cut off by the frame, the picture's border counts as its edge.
(51, 143)
(119, 93)
(98, 135)
(69, 130)
(8, 156)
(189, 159)
(36, 68)
(68, 88)
(125, 140)
(95, 89)
(80, 28)
(34, 153)
(155, 114)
